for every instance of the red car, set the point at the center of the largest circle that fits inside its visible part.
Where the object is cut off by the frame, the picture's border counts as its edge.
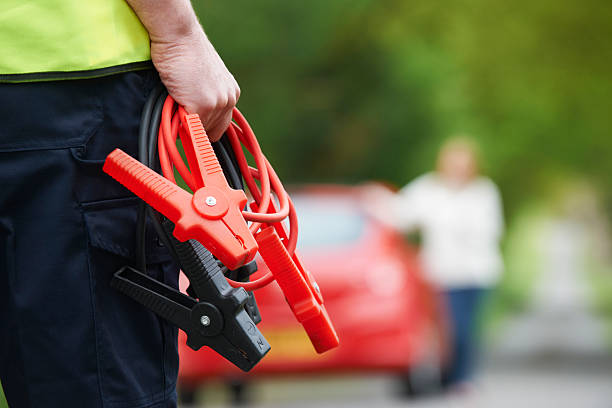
(385, 314)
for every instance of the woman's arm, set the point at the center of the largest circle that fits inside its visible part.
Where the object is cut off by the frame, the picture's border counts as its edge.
(399, 210)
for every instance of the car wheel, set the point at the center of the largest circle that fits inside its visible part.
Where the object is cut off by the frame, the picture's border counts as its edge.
(418, 381)
(187, 396)
(239, 392)
(426, 375)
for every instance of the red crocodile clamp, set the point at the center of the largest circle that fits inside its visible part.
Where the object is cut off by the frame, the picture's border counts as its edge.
(212, 215)
(300, 290)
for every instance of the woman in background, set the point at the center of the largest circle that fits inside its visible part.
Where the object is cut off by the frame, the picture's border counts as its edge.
(459, 214)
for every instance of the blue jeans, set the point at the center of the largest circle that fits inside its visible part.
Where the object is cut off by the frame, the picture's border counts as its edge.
(463, 307)
(67, 339)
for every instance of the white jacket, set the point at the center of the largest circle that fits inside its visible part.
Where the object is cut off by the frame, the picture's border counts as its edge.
(460, 226)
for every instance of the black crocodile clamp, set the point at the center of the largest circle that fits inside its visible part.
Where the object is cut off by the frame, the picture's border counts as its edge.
(215, 314)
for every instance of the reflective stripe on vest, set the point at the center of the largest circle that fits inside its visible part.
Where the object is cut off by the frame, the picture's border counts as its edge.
(59, 39)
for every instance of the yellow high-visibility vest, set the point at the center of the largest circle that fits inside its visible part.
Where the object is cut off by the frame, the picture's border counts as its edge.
(66, 39)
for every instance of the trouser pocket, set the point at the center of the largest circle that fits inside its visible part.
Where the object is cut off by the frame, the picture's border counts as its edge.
(136, 350)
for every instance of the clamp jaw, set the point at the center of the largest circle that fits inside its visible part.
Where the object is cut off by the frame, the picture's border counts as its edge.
(300, 289)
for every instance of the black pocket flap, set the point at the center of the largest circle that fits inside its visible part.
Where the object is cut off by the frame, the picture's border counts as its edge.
(111, 225)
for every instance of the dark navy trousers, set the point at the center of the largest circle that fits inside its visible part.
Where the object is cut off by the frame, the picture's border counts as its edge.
(67, 339)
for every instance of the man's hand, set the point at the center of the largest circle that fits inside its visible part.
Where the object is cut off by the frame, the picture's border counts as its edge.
(188, 64)
(197, 78)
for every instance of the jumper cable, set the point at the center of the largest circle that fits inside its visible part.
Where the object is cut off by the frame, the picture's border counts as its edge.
(213, 221)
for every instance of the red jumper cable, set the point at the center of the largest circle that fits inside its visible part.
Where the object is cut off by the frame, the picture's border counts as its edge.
(215, 215)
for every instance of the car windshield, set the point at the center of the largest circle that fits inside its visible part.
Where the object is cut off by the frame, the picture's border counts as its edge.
(327, 222)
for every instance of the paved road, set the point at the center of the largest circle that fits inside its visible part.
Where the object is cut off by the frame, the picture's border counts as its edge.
(553, 356)
(543, 384)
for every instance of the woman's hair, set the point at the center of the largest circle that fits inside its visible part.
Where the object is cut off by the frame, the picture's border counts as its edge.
(461, 143)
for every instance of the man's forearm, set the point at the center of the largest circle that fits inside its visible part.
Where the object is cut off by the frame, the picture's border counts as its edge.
(188, 64)
(166, 20)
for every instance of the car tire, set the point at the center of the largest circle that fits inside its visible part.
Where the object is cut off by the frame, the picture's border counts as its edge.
(419, 381)
(187, 396)
(425, 377)
(239, 392)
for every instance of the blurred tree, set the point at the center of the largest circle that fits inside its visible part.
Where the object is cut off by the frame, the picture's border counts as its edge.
(352, 90)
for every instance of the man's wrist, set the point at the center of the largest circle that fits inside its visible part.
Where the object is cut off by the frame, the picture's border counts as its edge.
(167, 21)
(176, 30)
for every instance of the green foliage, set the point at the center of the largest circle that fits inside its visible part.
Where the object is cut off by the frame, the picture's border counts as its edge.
(3, 403)
(351, 90)
(523, 249)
